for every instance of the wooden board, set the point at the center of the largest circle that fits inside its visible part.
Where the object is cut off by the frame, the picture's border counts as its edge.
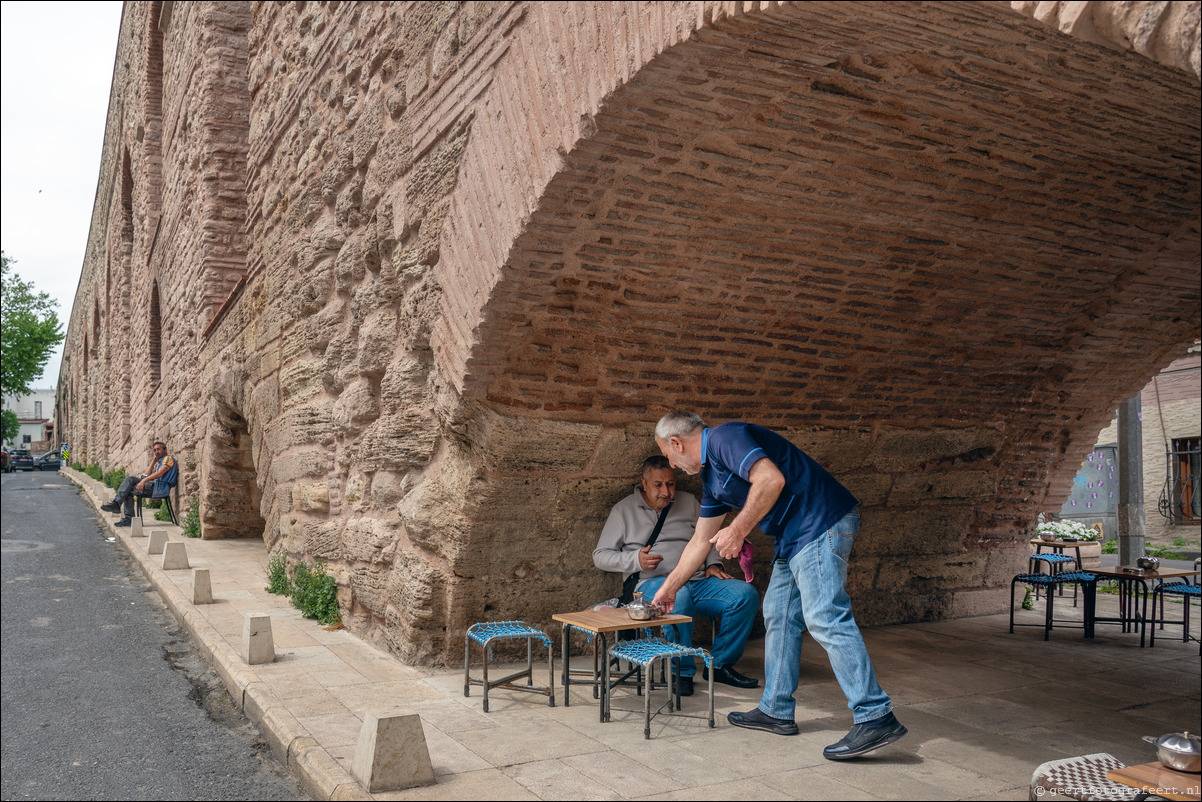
(1156, 779)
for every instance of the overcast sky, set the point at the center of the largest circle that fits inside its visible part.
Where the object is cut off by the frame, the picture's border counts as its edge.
(55, 76)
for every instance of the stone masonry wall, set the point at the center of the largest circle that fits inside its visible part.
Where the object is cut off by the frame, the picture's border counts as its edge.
(427, 273)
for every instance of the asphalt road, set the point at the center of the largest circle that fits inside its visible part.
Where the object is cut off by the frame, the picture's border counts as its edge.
(102, 695)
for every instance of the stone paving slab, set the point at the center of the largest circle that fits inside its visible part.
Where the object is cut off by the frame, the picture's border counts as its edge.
(983, 707)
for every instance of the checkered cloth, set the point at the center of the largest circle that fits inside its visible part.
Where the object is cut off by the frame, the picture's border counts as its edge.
(1081, 778)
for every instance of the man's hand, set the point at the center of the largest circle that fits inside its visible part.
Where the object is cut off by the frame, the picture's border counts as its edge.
(141, 484)
(729, 542)
(665, 599)
(716, 572)
(647, 560)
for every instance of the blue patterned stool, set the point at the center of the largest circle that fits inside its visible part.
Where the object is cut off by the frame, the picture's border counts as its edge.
(1056, 564)
(1050, 582)
(484, 634)
(1188, 593)
(643, 653)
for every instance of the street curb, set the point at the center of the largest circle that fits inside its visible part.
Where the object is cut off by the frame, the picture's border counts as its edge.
(319, 773)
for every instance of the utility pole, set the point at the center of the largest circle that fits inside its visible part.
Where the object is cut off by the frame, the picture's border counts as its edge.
(1131, 482)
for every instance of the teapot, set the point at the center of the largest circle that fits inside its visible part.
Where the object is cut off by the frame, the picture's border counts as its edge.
(639, 609)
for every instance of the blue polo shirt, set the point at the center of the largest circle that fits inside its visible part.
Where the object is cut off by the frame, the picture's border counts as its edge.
(810, 503)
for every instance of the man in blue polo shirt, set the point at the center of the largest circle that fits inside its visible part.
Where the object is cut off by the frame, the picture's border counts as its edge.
(813, 520)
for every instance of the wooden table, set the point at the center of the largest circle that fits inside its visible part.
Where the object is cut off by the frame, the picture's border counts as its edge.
(601, 623)
(1154, 778)
(1129, 614)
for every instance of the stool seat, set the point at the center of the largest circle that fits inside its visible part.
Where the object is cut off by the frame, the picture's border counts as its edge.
(485, 633)
(644, 652)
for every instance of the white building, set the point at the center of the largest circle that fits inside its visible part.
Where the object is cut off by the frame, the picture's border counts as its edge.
(36, 414)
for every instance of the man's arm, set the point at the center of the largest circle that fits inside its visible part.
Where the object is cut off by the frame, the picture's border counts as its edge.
(611, 553)
(152, 474)
(691, 560)
(766, 483)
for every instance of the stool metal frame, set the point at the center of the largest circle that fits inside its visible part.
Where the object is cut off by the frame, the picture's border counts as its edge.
(485, 633)
(1187, 592)
(643, 653)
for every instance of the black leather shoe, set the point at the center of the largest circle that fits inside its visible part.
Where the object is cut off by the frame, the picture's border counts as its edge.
(759, 720)
(123, 522)
(112, 506)
(686, 686)
(728, 676)
(864, 738)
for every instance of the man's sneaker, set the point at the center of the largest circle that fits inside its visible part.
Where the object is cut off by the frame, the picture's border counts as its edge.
(123, 522)
(728, 676)
(759, 720)
(112, 506)
(864, 738)
(686, 686)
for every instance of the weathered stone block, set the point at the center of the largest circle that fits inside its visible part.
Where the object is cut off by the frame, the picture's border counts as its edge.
(398, 441)
(311, 497)
(900, 450)
(357, 405)
(620, 452)
(391, 753)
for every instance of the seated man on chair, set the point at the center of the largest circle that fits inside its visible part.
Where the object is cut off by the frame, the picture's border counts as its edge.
(713, 592)
(142, 486)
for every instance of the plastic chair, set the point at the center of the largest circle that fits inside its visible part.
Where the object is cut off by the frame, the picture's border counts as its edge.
(161, 491)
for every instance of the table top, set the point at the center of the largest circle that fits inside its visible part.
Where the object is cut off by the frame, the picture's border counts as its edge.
(1062, 544)
(1162, 573)
(1154, 778)
(614, 619)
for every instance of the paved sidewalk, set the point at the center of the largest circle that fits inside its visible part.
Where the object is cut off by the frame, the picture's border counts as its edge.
(983, 707)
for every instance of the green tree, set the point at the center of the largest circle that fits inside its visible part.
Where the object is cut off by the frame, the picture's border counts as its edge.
(29, 330)
(11, 427)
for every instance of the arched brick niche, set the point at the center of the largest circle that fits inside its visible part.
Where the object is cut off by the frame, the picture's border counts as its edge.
(935, 243)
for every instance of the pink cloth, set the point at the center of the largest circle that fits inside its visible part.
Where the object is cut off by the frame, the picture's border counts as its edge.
(745, 555)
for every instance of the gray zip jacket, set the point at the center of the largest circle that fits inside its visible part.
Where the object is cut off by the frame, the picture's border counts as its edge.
(629, 527)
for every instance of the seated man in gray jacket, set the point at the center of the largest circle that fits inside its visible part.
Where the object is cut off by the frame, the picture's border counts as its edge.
(712, 592)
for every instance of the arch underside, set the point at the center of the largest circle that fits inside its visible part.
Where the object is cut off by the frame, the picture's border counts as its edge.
(908, 215)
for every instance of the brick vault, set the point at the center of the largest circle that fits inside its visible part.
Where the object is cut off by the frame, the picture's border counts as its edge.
(405, 286)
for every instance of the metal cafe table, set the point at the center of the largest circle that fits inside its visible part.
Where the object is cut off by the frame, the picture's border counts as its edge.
(601, 623)
(1131, 614)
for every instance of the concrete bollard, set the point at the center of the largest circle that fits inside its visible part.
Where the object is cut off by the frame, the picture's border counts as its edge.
(175, 556)
(135, 528)
(202, 588)
(392, 753)
(257, 644)
(158, 539)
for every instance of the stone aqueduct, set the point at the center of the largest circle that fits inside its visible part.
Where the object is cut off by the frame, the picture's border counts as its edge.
(405, 285)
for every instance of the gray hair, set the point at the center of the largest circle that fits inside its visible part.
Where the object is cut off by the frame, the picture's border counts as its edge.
(678, 423)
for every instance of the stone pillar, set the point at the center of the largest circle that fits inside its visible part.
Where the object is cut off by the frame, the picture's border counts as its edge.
(158, 539)
(1131, 482)
(392, 753)
(258, 645)
(135, 528)
(175, 556)
(202, 587)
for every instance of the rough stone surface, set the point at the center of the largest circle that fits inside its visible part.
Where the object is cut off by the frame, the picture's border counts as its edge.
(404, 286)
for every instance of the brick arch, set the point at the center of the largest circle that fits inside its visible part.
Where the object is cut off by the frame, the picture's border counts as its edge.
(906, 236)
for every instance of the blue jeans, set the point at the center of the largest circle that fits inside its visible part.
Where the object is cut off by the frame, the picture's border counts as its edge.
(734, 600)
(807, 593)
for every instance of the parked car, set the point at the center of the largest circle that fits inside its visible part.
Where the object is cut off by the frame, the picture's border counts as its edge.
(50, 461)
(6, 463)
(22, 459)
